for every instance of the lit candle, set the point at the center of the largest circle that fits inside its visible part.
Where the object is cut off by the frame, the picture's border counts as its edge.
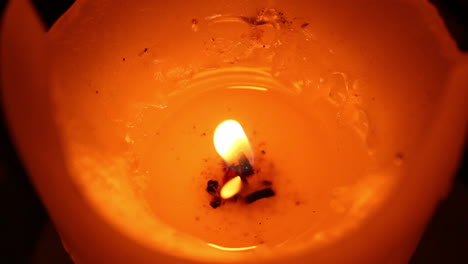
(231, 142)
(147, 111)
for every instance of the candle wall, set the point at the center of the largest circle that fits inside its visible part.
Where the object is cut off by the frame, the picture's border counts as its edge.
(386, 81)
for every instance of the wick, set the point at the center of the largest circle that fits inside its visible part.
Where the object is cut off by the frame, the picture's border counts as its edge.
(244, 168)
(216, 202)
(265, 193)
(212, 187)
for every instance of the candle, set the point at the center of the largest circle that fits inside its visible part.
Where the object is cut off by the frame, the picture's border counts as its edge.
(236, 131)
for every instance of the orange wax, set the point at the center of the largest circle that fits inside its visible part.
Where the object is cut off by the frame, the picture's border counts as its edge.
(295, 147)
(357, 120)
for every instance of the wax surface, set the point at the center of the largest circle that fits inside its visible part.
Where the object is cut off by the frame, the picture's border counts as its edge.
(333, 146)
(315, 153)
(302, 156)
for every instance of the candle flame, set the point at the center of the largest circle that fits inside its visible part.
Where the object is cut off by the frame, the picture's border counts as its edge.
(230, 141)
(231, 188)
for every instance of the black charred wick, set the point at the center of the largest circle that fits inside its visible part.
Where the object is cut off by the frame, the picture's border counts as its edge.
(212, 187)
(216, 202)
(244, 168)
(265, 193)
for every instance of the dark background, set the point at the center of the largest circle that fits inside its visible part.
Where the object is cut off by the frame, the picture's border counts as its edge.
(27, 236)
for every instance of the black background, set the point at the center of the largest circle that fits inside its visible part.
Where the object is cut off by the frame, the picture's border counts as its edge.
(27, 236)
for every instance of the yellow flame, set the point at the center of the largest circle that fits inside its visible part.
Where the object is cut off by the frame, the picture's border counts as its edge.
(231, 188)
(230, 141)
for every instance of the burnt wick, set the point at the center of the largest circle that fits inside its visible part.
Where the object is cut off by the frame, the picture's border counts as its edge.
(216, 202)
(244, 168)
(235, 185)
(265, 193)
(212, 187)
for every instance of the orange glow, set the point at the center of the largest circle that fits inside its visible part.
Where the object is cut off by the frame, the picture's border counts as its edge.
(123, 110)
(249, 87)
(231, 188)
(231, 248)
(230, 141)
